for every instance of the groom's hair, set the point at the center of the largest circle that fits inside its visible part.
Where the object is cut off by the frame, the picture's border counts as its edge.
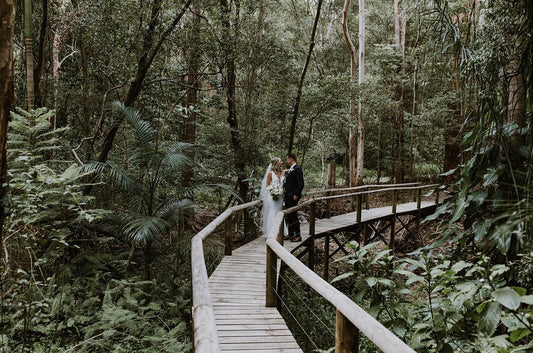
(292, 156)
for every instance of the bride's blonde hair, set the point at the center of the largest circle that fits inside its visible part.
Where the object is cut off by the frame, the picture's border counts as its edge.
(276, 166)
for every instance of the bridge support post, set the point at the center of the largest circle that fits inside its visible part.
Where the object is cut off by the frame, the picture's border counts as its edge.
(359, 200)
(271, 264)
(325, 273)
(346, 335)
(312, 213)
(393, 219)
(271, 271)
(228, 236)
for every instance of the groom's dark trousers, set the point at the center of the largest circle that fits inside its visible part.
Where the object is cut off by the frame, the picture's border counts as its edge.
(293, 224)
(294, 184)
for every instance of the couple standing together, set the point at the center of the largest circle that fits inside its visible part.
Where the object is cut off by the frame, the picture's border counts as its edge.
(282, 189)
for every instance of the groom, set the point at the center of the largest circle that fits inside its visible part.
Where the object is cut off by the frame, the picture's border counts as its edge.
(293, 186)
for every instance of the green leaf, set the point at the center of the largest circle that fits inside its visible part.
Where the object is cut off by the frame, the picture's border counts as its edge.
(490, 317)
(519, 334)
(343, 276)
(460, 207)
(507, 297)
(527, 299)
(461, 265)
(371, 281)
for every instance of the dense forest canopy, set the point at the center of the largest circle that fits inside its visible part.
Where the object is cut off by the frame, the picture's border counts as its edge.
(132, 123)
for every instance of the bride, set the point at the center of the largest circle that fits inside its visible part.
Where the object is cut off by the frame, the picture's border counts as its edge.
(272, 194)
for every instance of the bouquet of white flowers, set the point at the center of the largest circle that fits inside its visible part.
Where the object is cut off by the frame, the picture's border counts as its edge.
(276, 190)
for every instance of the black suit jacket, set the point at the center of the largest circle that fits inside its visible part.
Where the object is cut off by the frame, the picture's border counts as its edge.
(294, 182)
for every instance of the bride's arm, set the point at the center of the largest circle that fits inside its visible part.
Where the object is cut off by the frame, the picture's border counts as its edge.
(269, 178)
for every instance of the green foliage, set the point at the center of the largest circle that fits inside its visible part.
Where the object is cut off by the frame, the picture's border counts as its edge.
(153, 169)
(45, 207)
(439, 304)
(82, 308)
(61, 290)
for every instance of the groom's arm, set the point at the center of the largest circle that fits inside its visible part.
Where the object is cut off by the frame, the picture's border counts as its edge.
(299, 182)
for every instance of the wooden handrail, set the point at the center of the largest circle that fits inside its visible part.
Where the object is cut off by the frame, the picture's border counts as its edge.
(387, 341)
(367, 192)
(369, 186)
(348, 312)
(204, 327)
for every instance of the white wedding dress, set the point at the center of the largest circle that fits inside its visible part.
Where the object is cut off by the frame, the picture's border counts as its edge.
(271, 207)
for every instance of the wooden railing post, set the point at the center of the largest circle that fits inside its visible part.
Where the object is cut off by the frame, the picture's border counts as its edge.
(228, 236)
(359, 200)
(418, 198)
(393, 220)
(312, 213)
(346, 335)
(437, 197)
(394, 201)
(271, 271)
(271, 264)
(331, 185)
(325, 273)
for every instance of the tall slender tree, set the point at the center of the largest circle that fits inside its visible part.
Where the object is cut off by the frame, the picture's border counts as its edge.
(7, 18)
(353, 65)
(149, 50)
(361, 121)
(28, 40)
(302, 78)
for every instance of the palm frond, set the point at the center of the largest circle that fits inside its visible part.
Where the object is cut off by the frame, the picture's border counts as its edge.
(145, 229)
(179, 147)
(119, 176)
(177, 161)
(175, 209)
(144, 132)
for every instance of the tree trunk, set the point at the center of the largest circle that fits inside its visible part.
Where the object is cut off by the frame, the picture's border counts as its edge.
(149, 52)
(251, 97)
(7, 18)
(516, 108)
(40, 67)
(351, 136)
(239, 153)
(193, 85)
(302, 78)
(452, 147)
(30, 86)
(399, 36)
(361, 122)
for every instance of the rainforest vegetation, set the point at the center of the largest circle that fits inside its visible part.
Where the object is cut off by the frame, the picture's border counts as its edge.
(126, 126)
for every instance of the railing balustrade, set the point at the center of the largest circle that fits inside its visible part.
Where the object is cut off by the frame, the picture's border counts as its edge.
(351, 319)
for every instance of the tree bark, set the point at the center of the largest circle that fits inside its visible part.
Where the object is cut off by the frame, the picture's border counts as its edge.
(361, 121)
(7, 18)
(193, 85)
(399, 36)
(30, 85)
(351, 136)
(302, 78)
(239, 155)
(149, 52)
(40, 67)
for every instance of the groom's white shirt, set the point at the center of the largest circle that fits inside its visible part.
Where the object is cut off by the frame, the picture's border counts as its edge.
(291, 168)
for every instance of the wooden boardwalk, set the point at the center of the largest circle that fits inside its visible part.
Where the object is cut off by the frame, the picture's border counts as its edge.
(237, 289)
(243, 322)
